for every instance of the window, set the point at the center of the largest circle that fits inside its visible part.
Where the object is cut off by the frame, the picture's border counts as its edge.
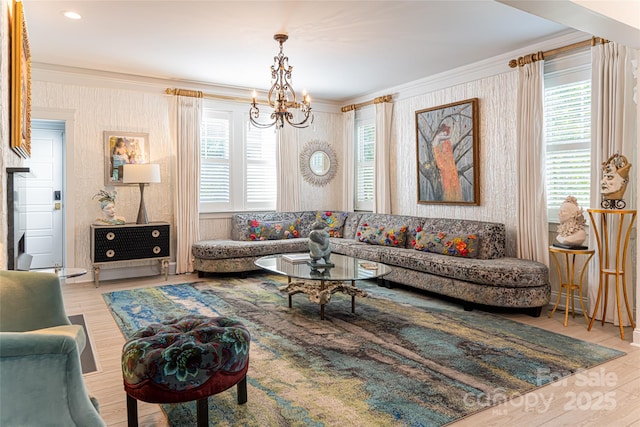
(237, 161)
(365, 143)
(567, 130)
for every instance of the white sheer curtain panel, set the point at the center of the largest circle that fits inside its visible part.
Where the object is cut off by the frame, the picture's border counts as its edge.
(187, 173)
(382, 174)
(287, 160)
(348, 159)
(613, 129)
(533, 229)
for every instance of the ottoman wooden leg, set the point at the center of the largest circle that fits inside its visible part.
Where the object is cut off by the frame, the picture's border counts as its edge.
(132, 412)
(203, 412)
(242, 391)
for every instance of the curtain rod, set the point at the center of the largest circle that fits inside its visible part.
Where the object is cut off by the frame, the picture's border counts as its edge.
(538, 56)
(200, 94)
(378, 100)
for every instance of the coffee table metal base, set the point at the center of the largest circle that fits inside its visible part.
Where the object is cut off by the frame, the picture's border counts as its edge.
(320, 291)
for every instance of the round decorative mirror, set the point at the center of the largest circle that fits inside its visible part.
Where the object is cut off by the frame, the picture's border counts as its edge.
(318, 163)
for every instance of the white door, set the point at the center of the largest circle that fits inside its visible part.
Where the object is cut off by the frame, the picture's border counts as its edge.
(45, 196)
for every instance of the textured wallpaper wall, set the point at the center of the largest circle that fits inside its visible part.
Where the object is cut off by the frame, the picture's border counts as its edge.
(326, 127)
(97, 110)
(497, 106)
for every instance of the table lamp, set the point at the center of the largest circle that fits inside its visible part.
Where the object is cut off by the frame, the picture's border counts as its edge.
(141, 174)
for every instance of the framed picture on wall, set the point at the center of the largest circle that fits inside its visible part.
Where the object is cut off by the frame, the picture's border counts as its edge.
(447, 154)
(122, 148)
(20, 84)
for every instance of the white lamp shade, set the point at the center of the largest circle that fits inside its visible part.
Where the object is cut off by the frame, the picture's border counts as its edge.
(140, 173)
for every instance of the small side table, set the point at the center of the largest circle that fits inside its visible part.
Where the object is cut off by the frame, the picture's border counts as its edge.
(568, 283)
(64, 272)
(611, 266)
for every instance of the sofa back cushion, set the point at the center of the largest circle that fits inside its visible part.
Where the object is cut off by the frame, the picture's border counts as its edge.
(335, 221)
(383, 229)
(243, 225)
(241, 222)
(351, 225)
(462, 245)
(382, 235)
(274, 230)
(490, 236)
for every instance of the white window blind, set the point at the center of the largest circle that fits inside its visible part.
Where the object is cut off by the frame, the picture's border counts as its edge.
(215, 185)
(261, 181)
(237, 161)
(365, 155)
(567, 131)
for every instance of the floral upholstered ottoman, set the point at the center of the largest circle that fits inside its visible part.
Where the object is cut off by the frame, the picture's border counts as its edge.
(185, 359)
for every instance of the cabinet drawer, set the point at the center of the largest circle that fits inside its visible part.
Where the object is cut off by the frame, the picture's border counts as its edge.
(129, 242)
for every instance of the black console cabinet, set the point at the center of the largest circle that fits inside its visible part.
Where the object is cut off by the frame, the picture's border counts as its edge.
(130, 242)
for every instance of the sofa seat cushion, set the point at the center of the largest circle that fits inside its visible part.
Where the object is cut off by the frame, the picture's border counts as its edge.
(502, 272)
(223, 249)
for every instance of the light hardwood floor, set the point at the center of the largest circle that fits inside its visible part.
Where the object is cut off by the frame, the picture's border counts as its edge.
(607, 395)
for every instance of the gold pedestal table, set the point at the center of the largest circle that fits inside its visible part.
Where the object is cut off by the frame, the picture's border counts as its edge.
(612, 265)
(567, 282)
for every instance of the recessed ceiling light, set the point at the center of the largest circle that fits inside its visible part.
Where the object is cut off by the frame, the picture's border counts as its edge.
(72, 15)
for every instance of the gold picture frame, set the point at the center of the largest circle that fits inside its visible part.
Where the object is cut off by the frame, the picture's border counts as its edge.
(447, 146)
(20, 84)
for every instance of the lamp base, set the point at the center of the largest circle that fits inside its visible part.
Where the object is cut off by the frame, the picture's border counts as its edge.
(142, 211)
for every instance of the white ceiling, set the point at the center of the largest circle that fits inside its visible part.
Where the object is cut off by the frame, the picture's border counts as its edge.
(339, 49)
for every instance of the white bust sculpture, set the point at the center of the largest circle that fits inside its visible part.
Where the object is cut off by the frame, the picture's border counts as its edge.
(571, 230)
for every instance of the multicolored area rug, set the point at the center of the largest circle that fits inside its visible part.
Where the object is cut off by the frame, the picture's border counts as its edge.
(403, 359)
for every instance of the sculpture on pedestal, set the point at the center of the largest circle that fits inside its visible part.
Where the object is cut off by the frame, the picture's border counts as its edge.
(571, 231)
(615, 177)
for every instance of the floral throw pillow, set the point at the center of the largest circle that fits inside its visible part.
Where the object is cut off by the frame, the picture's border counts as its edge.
(335, 221)
(441, 243)
(273, 230)
(379, 235)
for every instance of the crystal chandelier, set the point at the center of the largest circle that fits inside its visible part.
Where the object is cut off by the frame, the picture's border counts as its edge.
(282, 97)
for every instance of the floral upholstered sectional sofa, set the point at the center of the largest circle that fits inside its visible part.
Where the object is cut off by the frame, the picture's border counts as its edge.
(463, 259)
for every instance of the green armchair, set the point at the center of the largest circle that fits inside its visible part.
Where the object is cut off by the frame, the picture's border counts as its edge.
(41, 379)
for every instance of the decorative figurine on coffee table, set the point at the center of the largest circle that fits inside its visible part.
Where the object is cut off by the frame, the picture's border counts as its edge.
(615, 177)
(571, 231)
(319, 248)
(108, 205)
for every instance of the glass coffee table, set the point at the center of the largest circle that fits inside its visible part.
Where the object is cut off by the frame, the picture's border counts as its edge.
(320, 282)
